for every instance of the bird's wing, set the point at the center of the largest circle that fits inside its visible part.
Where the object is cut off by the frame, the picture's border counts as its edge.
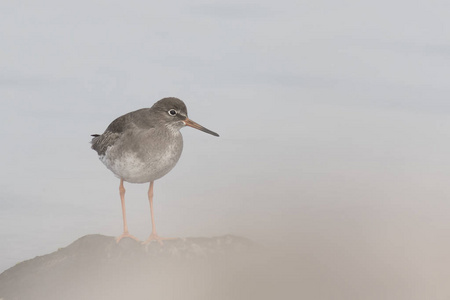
(115, 130)
(101, 143)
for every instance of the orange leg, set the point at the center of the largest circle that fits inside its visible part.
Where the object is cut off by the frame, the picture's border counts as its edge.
(153, 236)
(124, 215)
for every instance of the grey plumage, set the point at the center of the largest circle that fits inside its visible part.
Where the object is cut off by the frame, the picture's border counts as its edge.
(143, 145)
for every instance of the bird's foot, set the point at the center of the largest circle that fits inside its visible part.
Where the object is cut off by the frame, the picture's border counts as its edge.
(156, 237)
(126, 235)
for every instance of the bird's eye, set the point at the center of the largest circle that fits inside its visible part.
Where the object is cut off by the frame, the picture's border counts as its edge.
(172, 112)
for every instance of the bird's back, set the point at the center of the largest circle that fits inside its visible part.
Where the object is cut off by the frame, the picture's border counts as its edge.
(117, 128)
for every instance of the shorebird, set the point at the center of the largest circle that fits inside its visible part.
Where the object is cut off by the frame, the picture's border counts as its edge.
(143, 146)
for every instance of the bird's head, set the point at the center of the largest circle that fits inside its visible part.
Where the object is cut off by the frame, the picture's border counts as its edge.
(172, 112)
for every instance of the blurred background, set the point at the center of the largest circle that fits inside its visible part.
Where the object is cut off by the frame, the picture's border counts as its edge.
(333, 119)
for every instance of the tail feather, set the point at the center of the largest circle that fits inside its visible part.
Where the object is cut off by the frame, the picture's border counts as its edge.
(94, 138)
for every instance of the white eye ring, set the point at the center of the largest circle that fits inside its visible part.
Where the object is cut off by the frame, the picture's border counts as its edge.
(172, 112)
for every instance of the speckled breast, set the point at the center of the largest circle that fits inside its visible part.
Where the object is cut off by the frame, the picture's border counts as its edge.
(144, 156)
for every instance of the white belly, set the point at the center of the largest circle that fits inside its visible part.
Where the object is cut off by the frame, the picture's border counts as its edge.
(145, 167)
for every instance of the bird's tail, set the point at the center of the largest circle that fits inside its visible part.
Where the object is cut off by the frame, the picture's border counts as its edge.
(95, 136)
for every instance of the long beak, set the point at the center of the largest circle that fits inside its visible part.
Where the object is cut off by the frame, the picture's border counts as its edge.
(189, 122)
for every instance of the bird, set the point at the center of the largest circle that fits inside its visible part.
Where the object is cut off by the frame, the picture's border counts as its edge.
(143, 146)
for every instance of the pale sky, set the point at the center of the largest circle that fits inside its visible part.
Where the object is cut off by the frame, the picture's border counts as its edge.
(333, 119)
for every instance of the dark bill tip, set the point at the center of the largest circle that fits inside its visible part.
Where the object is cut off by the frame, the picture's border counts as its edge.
(192, 124)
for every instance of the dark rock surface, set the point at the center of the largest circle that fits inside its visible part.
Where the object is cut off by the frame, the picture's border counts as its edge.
(96, 267)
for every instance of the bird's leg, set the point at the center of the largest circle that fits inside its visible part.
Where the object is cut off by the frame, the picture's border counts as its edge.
(150, 199)
(124, 215)
(153, 236)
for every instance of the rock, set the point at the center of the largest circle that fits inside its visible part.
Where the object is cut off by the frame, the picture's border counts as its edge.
(96, 267)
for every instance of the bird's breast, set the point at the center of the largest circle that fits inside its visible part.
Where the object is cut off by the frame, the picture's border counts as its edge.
(144, 157)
